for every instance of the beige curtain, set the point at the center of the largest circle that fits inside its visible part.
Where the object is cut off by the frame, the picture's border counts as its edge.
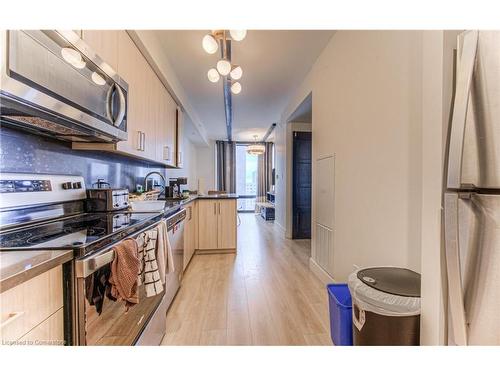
(265, 172)
(226, 166)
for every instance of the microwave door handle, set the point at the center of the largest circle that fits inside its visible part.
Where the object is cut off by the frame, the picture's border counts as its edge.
(122, 106)
(466, 56)
(109, 103)
(452, 253)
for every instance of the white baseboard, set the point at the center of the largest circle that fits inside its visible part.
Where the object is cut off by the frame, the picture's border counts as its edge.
(320, 273)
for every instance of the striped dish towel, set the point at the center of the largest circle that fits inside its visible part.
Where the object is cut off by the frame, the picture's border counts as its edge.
(149, 274)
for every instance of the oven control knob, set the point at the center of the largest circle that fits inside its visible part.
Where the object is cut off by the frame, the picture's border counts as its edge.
(77, 185)
(66, 185)
(117, 205)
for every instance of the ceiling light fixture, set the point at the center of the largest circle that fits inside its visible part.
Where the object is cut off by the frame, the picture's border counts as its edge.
(213, 75)
(236, 72)
(230, 73)
(256, 148)
(238, 35)
(210, 44)
(236, 88)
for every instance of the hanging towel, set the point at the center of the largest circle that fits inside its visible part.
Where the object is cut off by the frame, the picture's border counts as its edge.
(149, 273)
(164, 253)
(97, 287)
(124, 270)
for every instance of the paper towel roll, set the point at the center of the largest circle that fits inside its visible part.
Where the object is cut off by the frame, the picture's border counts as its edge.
(201, 186)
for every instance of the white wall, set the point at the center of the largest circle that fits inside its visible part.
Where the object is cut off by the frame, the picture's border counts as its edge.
(366, 90)
(381, 105)
(205, 158)
(190, 165)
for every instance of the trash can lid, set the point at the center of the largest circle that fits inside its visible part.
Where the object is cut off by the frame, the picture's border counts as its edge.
(392, 280)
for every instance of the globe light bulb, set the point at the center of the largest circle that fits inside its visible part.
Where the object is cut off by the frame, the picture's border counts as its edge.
(223, 67)
(236, 88)
(213, 75)
(238, 35)
(237, 72)
(209, 44)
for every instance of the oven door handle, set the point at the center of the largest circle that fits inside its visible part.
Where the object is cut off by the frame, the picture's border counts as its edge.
(86, 266)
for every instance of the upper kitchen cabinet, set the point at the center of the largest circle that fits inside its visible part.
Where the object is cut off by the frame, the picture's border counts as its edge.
(151, 110)
(134, 69)
(165, 127)
(179, 137)
(104, 43)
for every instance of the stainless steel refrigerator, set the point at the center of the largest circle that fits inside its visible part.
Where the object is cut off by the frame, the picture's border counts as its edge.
(472, 193)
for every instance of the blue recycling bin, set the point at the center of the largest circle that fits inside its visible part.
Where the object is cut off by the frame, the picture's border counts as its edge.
(340, 314)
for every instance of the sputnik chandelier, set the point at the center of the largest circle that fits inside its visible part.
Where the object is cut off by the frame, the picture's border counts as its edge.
(220, 39)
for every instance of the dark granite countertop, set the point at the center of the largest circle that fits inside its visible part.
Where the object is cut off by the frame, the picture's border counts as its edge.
(17, 267)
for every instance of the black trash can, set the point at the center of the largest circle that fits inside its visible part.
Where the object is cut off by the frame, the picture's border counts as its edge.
(385, 306)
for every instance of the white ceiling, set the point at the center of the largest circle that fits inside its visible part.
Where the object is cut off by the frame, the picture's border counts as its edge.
(274, 63)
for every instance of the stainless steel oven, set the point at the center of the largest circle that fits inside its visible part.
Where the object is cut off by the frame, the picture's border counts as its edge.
(143, 323)
(53, 83)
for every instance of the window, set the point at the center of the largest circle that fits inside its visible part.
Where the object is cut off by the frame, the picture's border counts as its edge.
(246, 178)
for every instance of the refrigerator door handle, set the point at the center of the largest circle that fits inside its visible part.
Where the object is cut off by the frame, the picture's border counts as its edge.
(452, 252)
(466, 57)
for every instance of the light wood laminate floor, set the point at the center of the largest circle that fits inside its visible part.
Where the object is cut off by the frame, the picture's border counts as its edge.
(263, 295)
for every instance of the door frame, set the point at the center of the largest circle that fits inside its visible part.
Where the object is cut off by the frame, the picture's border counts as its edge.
(293, 207)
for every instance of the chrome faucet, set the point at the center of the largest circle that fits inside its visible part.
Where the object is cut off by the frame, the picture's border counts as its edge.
(153, 183)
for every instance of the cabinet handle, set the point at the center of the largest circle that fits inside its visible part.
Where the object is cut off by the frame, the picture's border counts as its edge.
(143, 141)
(179, 161)
(219, 208)
(139, 140)
(215, 208)
(12, 317)
(166, 153)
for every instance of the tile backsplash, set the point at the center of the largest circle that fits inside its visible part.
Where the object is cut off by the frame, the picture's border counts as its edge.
(31, 153)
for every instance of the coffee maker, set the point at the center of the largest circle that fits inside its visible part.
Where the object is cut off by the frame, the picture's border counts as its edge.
(174, 187)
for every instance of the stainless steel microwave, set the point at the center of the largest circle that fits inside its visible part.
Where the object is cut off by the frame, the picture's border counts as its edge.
(53, 83)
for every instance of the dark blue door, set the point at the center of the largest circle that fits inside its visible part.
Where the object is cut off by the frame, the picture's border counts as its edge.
(302, 155)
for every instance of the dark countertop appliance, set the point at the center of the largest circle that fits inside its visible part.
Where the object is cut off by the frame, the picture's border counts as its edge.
(103, 198)
(174, 188)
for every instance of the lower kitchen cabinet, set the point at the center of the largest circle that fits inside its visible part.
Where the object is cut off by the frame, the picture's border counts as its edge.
(217, 224)
(32, 312)
(190, 232)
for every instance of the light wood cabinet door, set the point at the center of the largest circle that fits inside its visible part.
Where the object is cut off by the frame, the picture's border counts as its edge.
(151, 88)
(104, 43)
(226, 209)
(196, 224)
(165, 127)
(189, 234)
(25, 306)
(49, 332)
(129, 69)
(141, 111)
(179, 138)
(207, 224)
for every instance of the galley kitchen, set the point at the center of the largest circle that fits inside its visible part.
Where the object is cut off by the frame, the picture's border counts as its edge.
(213, 187)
